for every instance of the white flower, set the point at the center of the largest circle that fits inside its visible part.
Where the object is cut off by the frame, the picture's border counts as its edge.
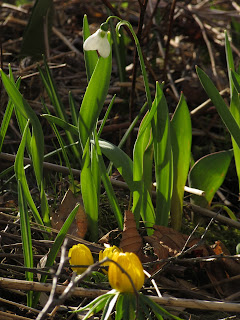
(98, 41)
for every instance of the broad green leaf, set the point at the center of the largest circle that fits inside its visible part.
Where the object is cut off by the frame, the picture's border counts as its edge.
(141, 145)
(90, 57)
(220, 105)
(181, 139)
(26, 238)
(94, 98)
(89, 193)
(162, 158)
(142, 204)
(121, 161)
(20, 175)
(207, 174)
(38, 29)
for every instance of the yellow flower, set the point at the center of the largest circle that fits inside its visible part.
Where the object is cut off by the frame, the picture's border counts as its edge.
(81, 255)
(132, 265)
(108, 253)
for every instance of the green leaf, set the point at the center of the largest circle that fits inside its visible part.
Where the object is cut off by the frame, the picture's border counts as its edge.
(57, 103)
(141, 190)
(94, 98)
(26, 239)
(158, 310)
(109, 307)
(73, 108)
(90, 57)
(108, 186)
(235, 110)
(38, 29)
(208, 174)
(37, 142)
(121, 161)
(20, 175)
(181, 139)
(220, 105)
(162, 158)
(56, 246)
(62, 123)
(5, 122)
(230, 61)
(89, 193)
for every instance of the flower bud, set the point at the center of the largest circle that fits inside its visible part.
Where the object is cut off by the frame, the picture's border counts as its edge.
(80, 255)
(132, 265)
(108, 253)
(98, 41)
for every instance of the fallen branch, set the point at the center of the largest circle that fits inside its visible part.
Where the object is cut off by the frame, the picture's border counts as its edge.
(93, 293)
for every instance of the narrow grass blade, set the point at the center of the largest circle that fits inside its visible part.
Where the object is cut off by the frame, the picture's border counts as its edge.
(94, 98)
(61, 123)
(90, 57)
(26, 238)
(20, 175)
(163, 158)
(181, 140)
(108, 186)
(207, 174)
(157, 309)
(220, 105)
(37, 143)
(89, 193)
(230, 61)
(235, 110)
(5, 122)
(57, 103)
(73, 108)
(56, 247)
(106, 115)
(64, 149)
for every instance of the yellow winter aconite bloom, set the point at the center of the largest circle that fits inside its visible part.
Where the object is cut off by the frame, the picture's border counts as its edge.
(132, 265)
(80, 254)
(108, 253)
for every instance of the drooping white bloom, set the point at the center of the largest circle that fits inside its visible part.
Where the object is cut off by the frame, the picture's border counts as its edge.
(98, 41)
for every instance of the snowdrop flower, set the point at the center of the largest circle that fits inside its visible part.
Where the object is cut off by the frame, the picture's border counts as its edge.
(98, 41)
